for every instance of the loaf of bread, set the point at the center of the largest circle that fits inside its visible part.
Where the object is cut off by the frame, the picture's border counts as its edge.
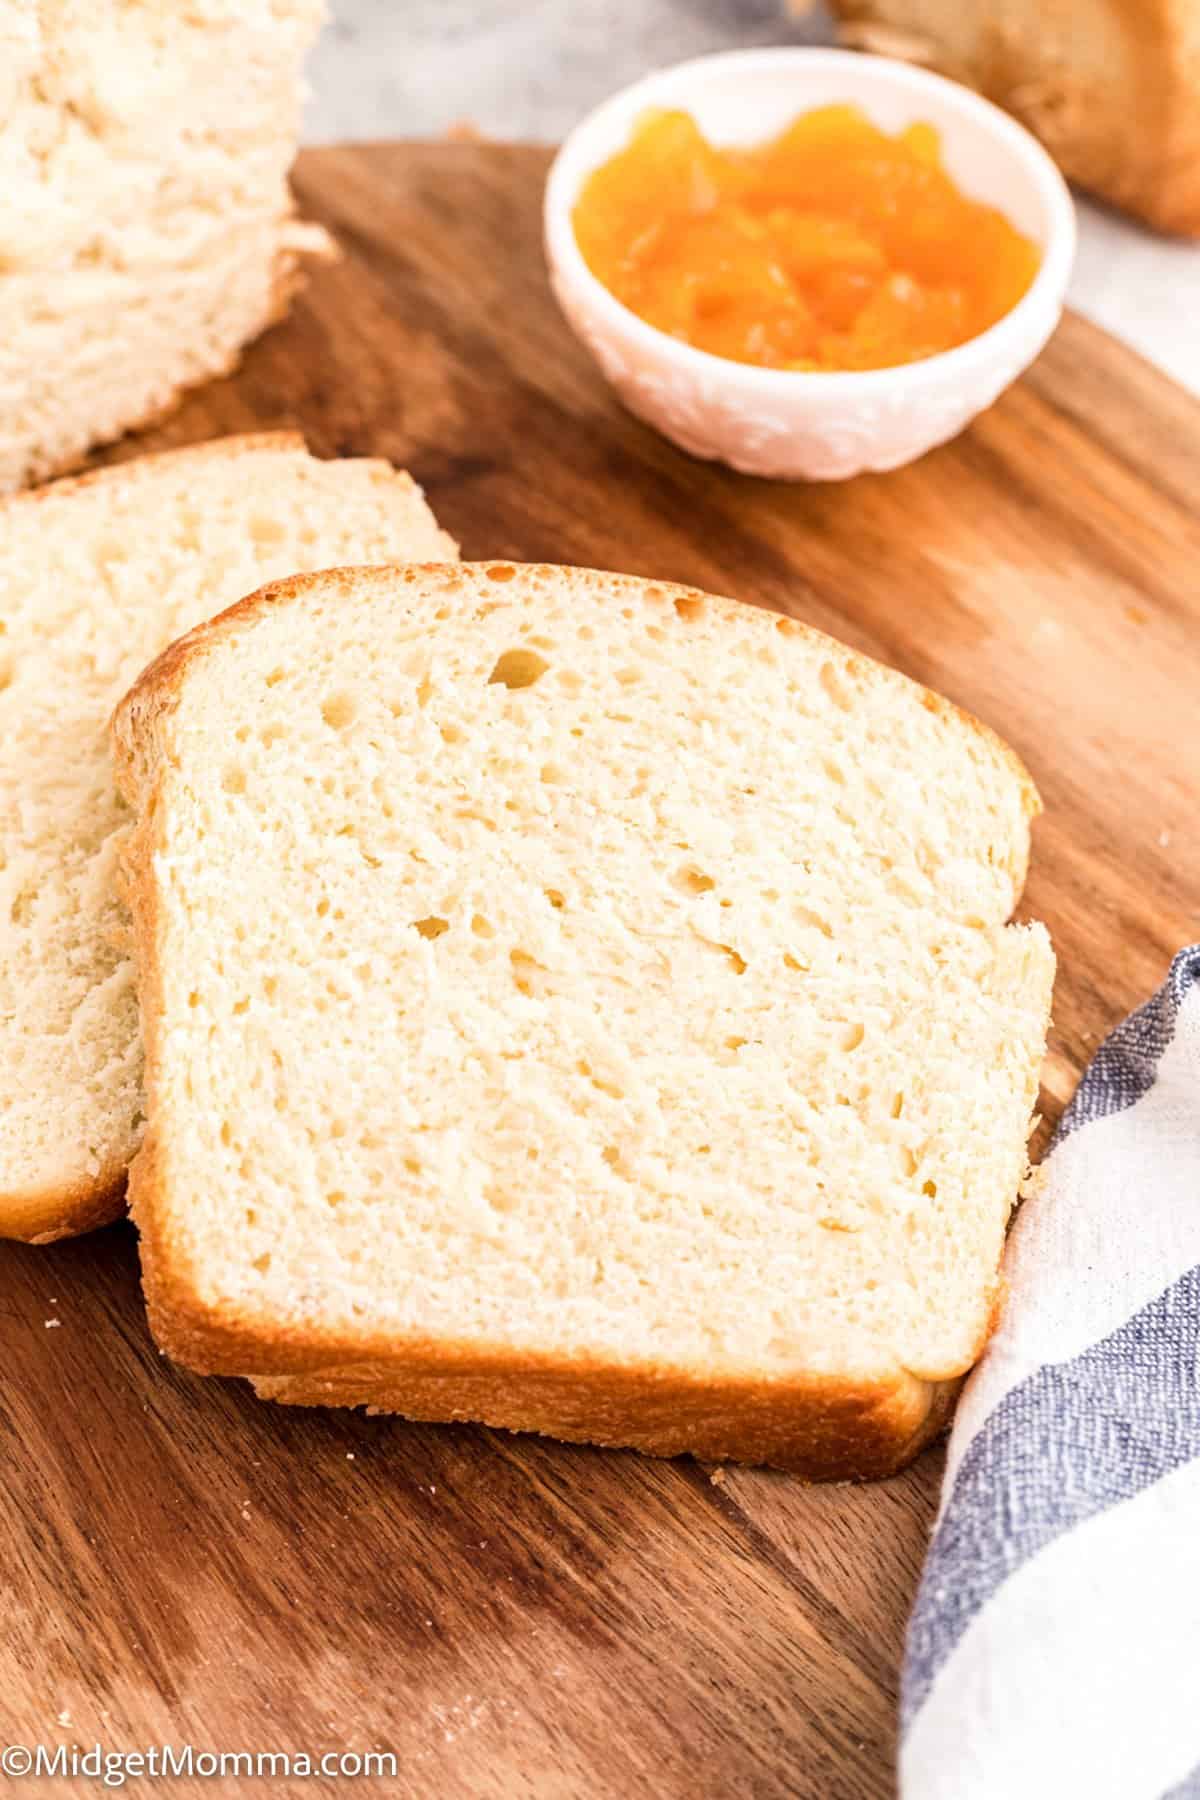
(580, 1004)
(96, 576)
(1112, 87)
(146, 228)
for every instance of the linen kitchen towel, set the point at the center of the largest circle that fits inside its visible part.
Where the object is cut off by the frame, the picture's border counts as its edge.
(1054, 1649)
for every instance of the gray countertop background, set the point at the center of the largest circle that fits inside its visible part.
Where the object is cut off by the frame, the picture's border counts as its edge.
(527, 69)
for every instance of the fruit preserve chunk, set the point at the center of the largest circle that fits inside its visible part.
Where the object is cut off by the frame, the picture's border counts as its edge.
(833, 246)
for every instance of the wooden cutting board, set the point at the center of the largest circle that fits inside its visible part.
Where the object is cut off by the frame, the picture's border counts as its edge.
(183, 1564)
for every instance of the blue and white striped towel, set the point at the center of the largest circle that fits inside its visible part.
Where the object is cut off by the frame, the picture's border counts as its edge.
(1054, 1651)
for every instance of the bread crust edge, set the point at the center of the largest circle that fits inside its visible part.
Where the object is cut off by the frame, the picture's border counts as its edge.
(821, 1428)
(47, 1215)
(838, 1432)
(1158, 86)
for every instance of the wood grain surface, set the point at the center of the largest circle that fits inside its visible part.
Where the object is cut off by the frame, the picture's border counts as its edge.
(183, 1564)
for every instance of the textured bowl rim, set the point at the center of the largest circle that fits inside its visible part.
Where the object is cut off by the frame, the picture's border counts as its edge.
(1007, 338)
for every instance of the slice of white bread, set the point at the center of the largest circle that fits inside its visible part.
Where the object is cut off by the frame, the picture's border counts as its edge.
(97, 575)
(146, 230)
(579, 1004)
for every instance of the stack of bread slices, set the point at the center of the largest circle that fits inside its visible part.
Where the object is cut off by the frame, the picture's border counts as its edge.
(553, 998)
(146, 228)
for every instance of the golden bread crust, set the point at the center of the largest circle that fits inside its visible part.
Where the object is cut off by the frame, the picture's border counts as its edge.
(1111, 87)
(50, 1214)
(827, 1432)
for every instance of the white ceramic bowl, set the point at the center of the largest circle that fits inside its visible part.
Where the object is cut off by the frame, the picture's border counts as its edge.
(819, 427)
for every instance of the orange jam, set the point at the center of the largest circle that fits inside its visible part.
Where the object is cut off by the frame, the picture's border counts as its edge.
(833, 246)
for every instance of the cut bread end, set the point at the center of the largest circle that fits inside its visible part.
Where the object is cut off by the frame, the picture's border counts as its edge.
(67, 391)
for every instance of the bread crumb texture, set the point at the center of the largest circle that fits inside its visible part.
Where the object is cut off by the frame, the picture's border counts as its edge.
(146, 232)
(96, 577)
(583, 984)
